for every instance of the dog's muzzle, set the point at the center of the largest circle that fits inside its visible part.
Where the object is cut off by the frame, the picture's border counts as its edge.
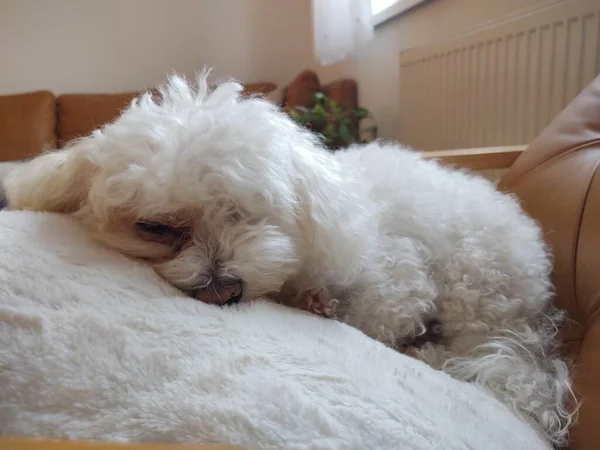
(221, 293)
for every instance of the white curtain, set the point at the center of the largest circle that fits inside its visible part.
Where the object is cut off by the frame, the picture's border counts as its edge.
(340, 28)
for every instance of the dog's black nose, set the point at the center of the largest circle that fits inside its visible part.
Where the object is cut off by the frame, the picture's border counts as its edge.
(235, 299)
(226, 292)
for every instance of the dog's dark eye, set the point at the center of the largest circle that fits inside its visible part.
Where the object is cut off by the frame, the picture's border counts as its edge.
(155, 228)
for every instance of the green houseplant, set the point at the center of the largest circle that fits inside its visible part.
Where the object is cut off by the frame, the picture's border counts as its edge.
(337, 126)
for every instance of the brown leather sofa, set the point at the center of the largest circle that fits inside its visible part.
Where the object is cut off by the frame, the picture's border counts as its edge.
(558, 182)
(32, 122)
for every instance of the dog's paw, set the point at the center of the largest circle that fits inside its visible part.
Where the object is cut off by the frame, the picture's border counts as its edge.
(319, 302)
(433, 333)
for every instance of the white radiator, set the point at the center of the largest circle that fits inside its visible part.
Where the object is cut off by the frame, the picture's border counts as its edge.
(500, 85)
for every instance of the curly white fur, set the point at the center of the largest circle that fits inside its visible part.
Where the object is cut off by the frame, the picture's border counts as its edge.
(396, 239)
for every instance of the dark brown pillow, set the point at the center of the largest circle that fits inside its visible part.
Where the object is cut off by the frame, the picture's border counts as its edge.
(343, 92)
(301, 91)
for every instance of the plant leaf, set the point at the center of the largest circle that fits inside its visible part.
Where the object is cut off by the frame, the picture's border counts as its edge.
(372, 131)
(335, 125)
(361, 113)
(331, 131)
(320, 110)
(345, 133)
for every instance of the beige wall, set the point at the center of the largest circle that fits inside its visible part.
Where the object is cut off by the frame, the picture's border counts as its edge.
(120, 45)
(376, 68)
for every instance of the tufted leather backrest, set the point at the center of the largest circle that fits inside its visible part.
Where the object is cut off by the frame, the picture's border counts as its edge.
(557, 180)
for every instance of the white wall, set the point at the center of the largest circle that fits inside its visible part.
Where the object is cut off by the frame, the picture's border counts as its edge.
(122, 45)
(376, 68)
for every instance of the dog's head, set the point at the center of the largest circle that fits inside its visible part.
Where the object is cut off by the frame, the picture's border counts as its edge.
(197, 182)
(220, 193)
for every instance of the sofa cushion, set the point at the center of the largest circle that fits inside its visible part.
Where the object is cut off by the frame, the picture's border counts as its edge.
(80, 114)
(27, 124)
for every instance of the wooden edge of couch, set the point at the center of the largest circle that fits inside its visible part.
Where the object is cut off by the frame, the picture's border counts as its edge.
(479, 158)
(17, 443)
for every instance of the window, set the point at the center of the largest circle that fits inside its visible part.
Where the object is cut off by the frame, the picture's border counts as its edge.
(383, 10)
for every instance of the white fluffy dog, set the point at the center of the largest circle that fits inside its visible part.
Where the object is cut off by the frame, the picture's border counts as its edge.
(229, 200)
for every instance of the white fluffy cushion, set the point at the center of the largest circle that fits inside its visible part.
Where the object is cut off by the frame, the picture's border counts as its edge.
(93, 345)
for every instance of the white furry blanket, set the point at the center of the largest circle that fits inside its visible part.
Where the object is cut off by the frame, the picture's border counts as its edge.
(95, 346)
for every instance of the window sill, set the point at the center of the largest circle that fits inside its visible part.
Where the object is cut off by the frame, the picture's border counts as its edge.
(394, 10)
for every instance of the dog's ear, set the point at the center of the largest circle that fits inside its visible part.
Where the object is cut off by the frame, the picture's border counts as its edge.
(56, 181)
